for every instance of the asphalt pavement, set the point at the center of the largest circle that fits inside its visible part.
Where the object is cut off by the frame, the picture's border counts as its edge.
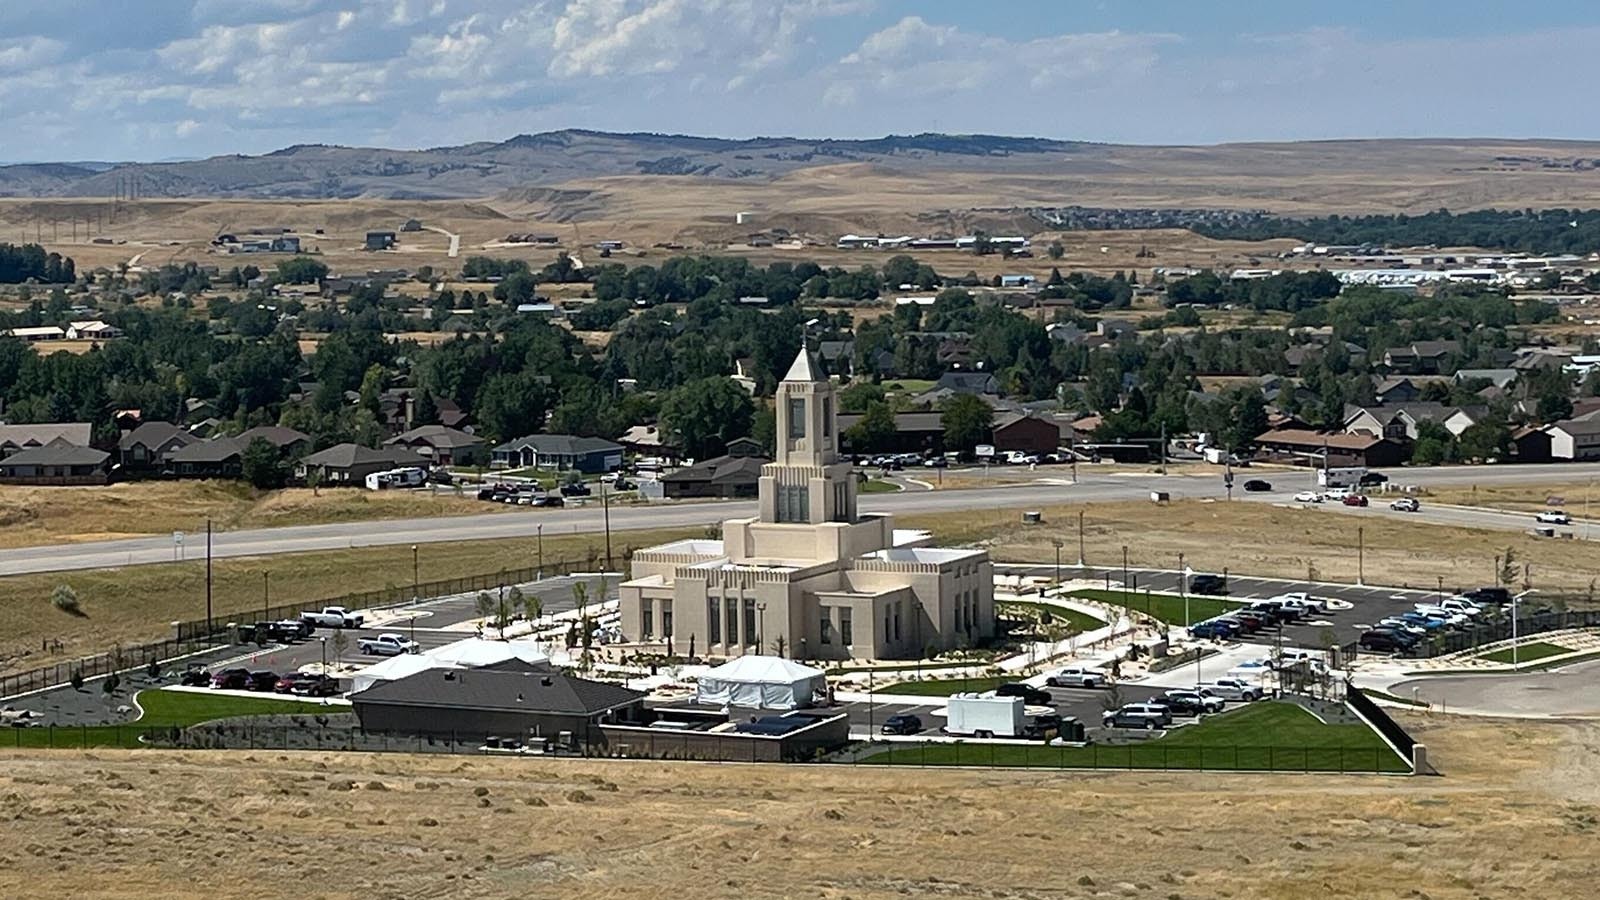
(1012, 489)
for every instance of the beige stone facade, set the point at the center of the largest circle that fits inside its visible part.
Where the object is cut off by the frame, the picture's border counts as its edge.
(809, 577)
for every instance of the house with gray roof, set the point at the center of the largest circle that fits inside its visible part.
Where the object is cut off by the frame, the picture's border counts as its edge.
(441, 445)
(149, 447)
(560, 452)
(219, 457)
(22, 437)
(734, 474)
(350, 464)
(58, 462)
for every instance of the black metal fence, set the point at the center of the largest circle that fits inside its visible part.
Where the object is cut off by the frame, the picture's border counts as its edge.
(1156, 756)
(199, 635)
(1380, 720)
(135, 656)
(1479, 634)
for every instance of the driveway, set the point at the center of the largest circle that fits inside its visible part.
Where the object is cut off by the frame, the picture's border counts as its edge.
(1569, 691)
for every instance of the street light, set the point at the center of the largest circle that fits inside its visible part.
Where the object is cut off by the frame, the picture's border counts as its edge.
(1183, 589)
(1057, 543)
(1124, 566)
(761, 627)
(1080, 537)
(539, 530)
(1514, 601)
(416, 589)
(1361, 552)
(266, 594)
(324, 642)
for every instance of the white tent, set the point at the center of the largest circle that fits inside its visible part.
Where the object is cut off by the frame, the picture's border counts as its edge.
(396, 667)
(762, 682)
(475, 652)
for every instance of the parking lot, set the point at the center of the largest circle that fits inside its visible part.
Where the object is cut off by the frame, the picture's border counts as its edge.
(1367, 604)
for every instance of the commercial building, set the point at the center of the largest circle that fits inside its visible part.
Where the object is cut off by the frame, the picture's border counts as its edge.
(809, 577)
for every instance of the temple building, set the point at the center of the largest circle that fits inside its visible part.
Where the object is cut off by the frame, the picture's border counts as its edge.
(809, 577)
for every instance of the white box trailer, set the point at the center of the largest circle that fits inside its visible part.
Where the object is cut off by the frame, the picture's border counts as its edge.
(984, 715)
(1345, 477)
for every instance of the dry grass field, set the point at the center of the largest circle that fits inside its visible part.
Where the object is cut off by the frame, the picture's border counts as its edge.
(1260, 539)
(1514, 815)
(46, 515)
(1579, 497)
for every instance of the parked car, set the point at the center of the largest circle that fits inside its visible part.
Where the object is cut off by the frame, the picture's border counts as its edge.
(1337, 493)
(1553, 517)
(1257, 486)
(1216, 629)
(1400, 624)
(1305, 601)
(332, 617)
(1355, 500)
(1251, 621)
(576, 489)
(1308, 497)
(548, 500)
(235, 679)
(195, 675)
(1386, 640)
(1155, 706)
(1187, 701)
(441, 476)
(315, 685)
(387, 645)
(1030, 695)
(1405, 504)
(1485, 596)
(1371, 479)
(1465, 607)
(1233, 689)
(1124, 718)
(1208, 584)
(902, 723)
(1274, 611)
(1074, 676)
(1042, 725)
(935, 462)
(261, 680)
(491, 492)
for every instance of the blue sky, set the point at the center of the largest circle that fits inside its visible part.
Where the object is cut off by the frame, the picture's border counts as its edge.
(86, 79)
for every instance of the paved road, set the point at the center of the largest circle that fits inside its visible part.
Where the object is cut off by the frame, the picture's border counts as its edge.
(1570, 691)
(1034, 489)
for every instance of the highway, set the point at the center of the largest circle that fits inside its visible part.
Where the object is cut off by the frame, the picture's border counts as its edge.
(1013, 490)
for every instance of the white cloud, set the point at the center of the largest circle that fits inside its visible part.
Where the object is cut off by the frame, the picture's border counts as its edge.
(29, 52)
(913, 58)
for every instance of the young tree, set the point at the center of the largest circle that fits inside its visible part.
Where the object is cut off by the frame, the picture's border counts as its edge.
(341, 643)
(485, 606)
(262, 466)
(64, 598)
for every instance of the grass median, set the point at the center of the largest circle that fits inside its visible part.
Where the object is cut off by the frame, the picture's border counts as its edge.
(1266, 736)
(1078, 621)
(1525, 653)
(1172, 610)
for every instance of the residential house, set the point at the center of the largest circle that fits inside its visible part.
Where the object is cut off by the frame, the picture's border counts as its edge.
(219, 457)
(1422, 357)
(1341, 450)
(1500, 378)
(1576, 440)
(55, 463)
(195, 409)
(92, 330)
(1026, 432)
(288, 442)
(1387, 390)
(1400, 422)
(1530, 445)
(1065, 332)
(977, 383)
(440, 445)
(561, 452)
(206, 428)
(149, 447)
(350, 464)
(452, 415)
(24, 437)
(648, 440)
(837, 356)
(736, 473)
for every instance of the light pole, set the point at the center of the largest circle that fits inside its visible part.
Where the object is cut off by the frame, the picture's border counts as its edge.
(416, 587)
(1057, 543)
(324, 642)
(266, 594)
(1514, 601)
(208, 576)
(1080, 538)
(539, 531)
(1124, 566)
(1183, 589)
(761, 627)
(1361, 549)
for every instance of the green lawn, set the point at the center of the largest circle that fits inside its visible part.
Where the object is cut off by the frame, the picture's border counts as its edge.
(1166, 609)
(1529, 652)
(1265, 736)
(944, 687)
(875, 486)
(162, 709)
(1078, 621)
(908, 385)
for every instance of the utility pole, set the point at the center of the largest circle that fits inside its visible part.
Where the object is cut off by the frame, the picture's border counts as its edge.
(605, 510)
(1361, 567)
(539, 531)
(1057, 543)
(1163, 448)
(1080, 538)
(266, 594)
(416, 587)
(208, 577)
(1183, 589)
(1124, 566)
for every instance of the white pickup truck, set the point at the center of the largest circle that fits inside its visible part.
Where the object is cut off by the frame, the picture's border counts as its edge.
(1231, 689)
(332, 617)
(387, 645)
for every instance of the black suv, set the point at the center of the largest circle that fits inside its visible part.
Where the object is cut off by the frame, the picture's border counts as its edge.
(1382, 640)
(1208, 584)
(576, 489)
(1028, 693)
(1256, 486)
(1499, 596)
(902, 723)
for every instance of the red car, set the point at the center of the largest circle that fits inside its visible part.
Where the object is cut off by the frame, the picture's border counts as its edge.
(314, 685)
(231, 679)
(1355, 500)
(261, 680)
